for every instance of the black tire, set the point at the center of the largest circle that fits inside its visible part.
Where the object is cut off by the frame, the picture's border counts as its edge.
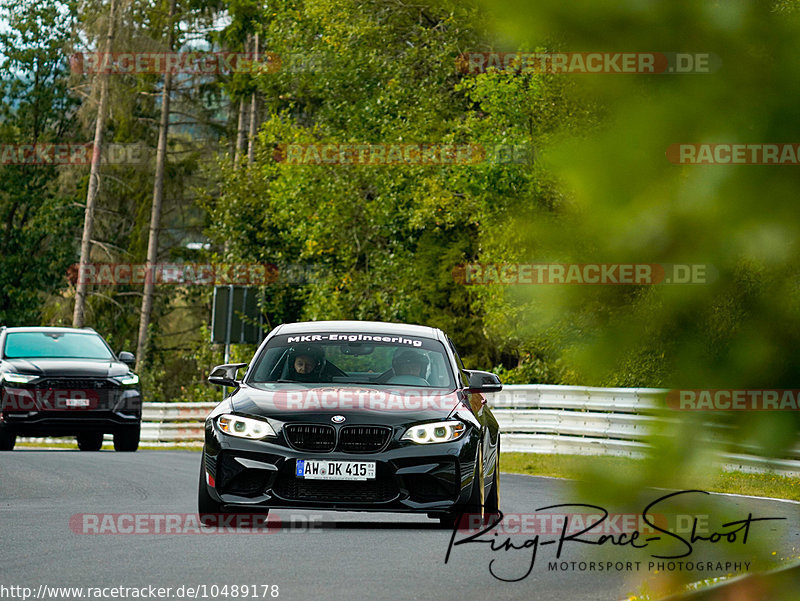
(90, 441)
(7, 439)
(127, 440)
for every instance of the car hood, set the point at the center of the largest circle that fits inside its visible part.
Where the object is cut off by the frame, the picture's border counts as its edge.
(87, 368)
(358, 404)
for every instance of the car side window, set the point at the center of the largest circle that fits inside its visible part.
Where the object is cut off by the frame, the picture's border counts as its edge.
(459, 363)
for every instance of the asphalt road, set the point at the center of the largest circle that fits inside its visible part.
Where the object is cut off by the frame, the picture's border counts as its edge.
(320, 555)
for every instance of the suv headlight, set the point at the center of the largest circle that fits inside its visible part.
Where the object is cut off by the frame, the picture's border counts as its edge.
(433, 432)
(128, 379)
(244, 427)
(14, 378)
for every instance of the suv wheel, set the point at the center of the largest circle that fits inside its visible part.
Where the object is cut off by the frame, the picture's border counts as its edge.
(7, 439)
(127, 440)
(90, 441)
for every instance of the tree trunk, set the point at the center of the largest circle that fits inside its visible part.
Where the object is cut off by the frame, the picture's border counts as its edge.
(253, 113)
(241, 128)
(241, 132)
(94, 182)
(155, 213)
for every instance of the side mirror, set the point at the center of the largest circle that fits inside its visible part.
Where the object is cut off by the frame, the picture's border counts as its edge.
(483, 381)
(225, 375)
(127, 358)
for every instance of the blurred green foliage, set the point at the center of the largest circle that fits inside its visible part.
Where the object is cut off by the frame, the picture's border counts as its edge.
(384, 240)
(629, 204)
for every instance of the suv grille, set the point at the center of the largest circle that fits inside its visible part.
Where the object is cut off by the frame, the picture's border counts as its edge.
(77, 384)
(103, 393)
(311, 438)
(363, 439)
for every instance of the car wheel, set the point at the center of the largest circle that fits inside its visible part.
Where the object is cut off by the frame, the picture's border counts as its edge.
(127, 440)
(7, 439)
(90, 441)
(475, 504)
(491, 505)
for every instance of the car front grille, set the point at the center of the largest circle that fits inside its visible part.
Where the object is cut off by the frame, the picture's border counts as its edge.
(77, 384)
(233, 478)
(318, 438)
(426, 488)
(351, 439)
(49, 393)
(380, 490)
(211, 464)
(363, 439)
(247, 483)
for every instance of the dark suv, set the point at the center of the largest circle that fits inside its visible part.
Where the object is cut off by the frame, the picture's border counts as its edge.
(67, 382)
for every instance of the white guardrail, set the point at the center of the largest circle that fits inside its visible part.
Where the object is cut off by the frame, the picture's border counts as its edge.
(582, 420)
(536, 418)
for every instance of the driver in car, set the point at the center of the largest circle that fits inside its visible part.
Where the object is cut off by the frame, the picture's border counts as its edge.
(308, 364)
(410, 363)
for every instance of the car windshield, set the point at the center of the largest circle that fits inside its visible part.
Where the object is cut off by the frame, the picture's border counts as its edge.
(357, 358)
(55, 345)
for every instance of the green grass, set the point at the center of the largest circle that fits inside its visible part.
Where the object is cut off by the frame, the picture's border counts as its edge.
(718, 480)
(560, 466)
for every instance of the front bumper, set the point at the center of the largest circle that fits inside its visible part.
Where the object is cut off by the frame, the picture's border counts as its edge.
(409, 477)
(124, 412)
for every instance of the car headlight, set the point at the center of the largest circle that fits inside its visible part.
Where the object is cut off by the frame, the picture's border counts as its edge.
(435, 432)
(13, 378)
(244, 427)
(128, 379)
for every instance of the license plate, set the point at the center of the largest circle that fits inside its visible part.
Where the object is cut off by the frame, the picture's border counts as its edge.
(76, 402)
(313, 469)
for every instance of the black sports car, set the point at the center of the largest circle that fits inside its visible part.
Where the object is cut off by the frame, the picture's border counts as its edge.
(67, 382)
(351, 415)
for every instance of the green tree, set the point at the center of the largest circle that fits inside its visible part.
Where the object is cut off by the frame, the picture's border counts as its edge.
(384, 241)
(36, 211)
